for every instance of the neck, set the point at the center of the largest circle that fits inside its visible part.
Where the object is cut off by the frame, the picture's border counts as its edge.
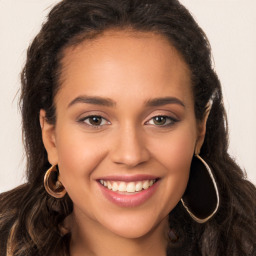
(91, 239)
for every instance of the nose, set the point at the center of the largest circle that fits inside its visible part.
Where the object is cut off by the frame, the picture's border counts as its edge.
(130, 148)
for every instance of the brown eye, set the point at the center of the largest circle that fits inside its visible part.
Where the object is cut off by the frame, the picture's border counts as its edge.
(162, 121)
(159, 120)
(95, 121)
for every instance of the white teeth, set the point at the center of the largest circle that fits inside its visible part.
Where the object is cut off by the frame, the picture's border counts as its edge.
(138, 186)
(130, 187)
(114, 186)
(145, 184)
(109, 185)
(122, 187)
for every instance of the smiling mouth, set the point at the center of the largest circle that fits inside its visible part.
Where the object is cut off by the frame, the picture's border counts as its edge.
(128, 187)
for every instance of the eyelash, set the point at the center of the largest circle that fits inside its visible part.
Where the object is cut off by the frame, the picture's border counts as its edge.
(171, 121)
(83, 120)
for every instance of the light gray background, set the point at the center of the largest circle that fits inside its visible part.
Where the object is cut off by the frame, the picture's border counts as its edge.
(231, 28)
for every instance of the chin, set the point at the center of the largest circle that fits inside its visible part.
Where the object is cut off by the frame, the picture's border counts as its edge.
(133, 227)
(132, 232)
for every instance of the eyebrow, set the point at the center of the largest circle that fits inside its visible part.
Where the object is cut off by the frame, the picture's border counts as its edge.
(156, 102)
(93, 100)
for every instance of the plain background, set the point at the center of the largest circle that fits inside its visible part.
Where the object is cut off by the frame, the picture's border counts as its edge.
(231, 28)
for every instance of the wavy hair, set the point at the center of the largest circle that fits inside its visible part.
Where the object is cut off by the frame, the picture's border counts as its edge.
(30, 219)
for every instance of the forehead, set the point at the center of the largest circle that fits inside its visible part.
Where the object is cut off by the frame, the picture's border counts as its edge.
(120, 59)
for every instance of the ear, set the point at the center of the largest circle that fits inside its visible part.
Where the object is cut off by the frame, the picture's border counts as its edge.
(201, 128)
(48, 137)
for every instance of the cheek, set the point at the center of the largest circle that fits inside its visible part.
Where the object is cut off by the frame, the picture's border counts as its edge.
(78, 156)
(175, 154)
(176, 150)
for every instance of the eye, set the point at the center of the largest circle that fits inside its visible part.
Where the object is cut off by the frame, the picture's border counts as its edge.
(162, 121)
(95, 120)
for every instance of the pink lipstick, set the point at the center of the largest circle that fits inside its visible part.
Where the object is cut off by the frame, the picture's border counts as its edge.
(128, 191)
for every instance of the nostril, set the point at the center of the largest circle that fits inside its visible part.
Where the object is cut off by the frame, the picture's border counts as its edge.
(130, 157)
(129, 148)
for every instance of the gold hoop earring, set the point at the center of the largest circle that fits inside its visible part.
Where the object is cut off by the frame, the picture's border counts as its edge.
(201, 198)
(51, 183)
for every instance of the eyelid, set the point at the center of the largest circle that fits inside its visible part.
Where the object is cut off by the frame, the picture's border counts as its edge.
(172, 120)
(92, 113)
(82, 120)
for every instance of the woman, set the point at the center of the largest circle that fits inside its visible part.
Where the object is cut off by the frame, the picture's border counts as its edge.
(126, 140)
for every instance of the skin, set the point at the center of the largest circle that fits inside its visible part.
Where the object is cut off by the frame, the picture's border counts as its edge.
(130, 69)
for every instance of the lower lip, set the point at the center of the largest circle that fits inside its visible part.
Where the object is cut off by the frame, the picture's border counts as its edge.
(126, 200)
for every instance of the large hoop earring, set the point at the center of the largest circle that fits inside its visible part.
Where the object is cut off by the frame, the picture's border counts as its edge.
(51, 183)
(201, 198)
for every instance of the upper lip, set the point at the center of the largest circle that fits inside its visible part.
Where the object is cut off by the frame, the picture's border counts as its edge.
(128, 178)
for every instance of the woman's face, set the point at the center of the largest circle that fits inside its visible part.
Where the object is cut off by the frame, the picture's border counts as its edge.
(125, 132)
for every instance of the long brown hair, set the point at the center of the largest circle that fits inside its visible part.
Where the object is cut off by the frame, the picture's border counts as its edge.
(30, 219)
